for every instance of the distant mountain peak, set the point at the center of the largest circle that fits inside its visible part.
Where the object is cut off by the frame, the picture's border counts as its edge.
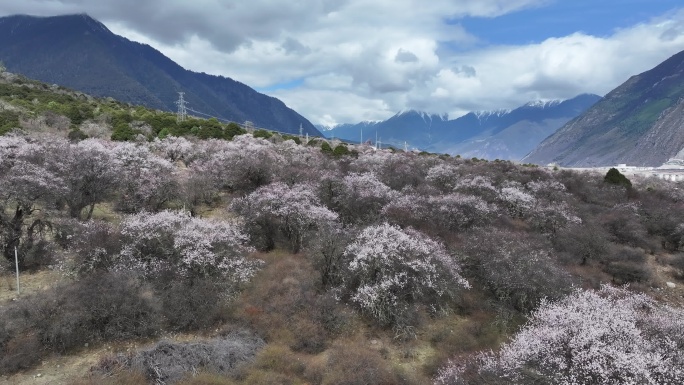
(427, 116)
(486, 114)
(544, 103)
(494, 134)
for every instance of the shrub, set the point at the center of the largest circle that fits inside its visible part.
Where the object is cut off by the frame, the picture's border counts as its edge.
(341, 150)
(613, 176)
(391, 270)
(625, 272)
(626, 265)
(262, 134)
(170, 362)
(357, 366)
(19, 351)
(94, 245)
(291, 211)
(309, 337)
(582, 243)
(77, 135)
(232, 130)
(327, 254)
(102, 307)
(515, 267)
(624, 226)
(188, 305)
(609, 336)
(326, 149)
(678, 264)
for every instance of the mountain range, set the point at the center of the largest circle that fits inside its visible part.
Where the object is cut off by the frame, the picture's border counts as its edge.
(502, 134)
(640, 123)
(79, 52)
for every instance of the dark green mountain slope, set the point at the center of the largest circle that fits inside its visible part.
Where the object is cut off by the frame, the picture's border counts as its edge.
(640, 123)
(79, 52)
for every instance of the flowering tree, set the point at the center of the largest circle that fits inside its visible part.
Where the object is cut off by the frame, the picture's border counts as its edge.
(516, 200)
(91, 173)
(447, 212)
(371, 161)
(481, 186)
(193, 247)
(362, 196)
(391, 269)
(609, 336)
(174, 148)
(147, 181)
(443, 176)
(27, 188)
(298, 161)
(295, 212)
(243, 164)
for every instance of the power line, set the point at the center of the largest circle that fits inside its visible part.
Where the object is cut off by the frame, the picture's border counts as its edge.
(182, 115)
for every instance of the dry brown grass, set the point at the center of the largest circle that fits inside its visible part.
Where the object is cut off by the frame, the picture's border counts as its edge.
(285, 305)
(29, 283)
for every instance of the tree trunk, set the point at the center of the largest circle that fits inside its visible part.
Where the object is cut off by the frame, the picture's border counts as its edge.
(13, 232)
(90, 211)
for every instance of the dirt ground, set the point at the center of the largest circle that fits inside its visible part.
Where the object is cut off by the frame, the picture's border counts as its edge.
(57, 370)
(662, 274)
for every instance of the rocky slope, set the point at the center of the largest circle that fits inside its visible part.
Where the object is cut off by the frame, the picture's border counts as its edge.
(640, 123)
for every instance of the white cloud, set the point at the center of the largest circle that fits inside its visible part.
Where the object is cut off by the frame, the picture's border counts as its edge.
(365, 60)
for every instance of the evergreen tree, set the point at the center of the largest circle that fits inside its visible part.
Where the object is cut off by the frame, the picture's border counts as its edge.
(613, 176)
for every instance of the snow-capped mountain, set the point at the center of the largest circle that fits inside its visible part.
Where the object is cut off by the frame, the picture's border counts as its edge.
(499, 134)
(544, 103)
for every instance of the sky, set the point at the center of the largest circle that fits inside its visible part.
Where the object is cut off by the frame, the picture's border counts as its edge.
(345, 61)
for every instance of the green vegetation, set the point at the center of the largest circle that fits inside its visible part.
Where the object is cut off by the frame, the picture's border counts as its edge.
(40, 107)
(326, 149)
(613, 176)
(8, 121)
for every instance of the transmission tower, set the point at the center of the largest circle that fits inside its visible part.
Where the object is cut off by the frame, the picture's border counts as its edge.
(182, 113)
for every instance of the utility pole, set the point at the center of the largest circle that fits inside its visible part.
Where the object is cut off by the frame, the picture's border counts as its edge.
(16, 264)
(301, 130)
(182, 112)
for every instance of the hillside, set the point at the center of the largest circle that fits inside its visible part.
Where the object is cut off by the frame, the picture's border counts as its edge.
(640, 123)
(490, 135)
(256, 260)
(195, 253)
(79, 52)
